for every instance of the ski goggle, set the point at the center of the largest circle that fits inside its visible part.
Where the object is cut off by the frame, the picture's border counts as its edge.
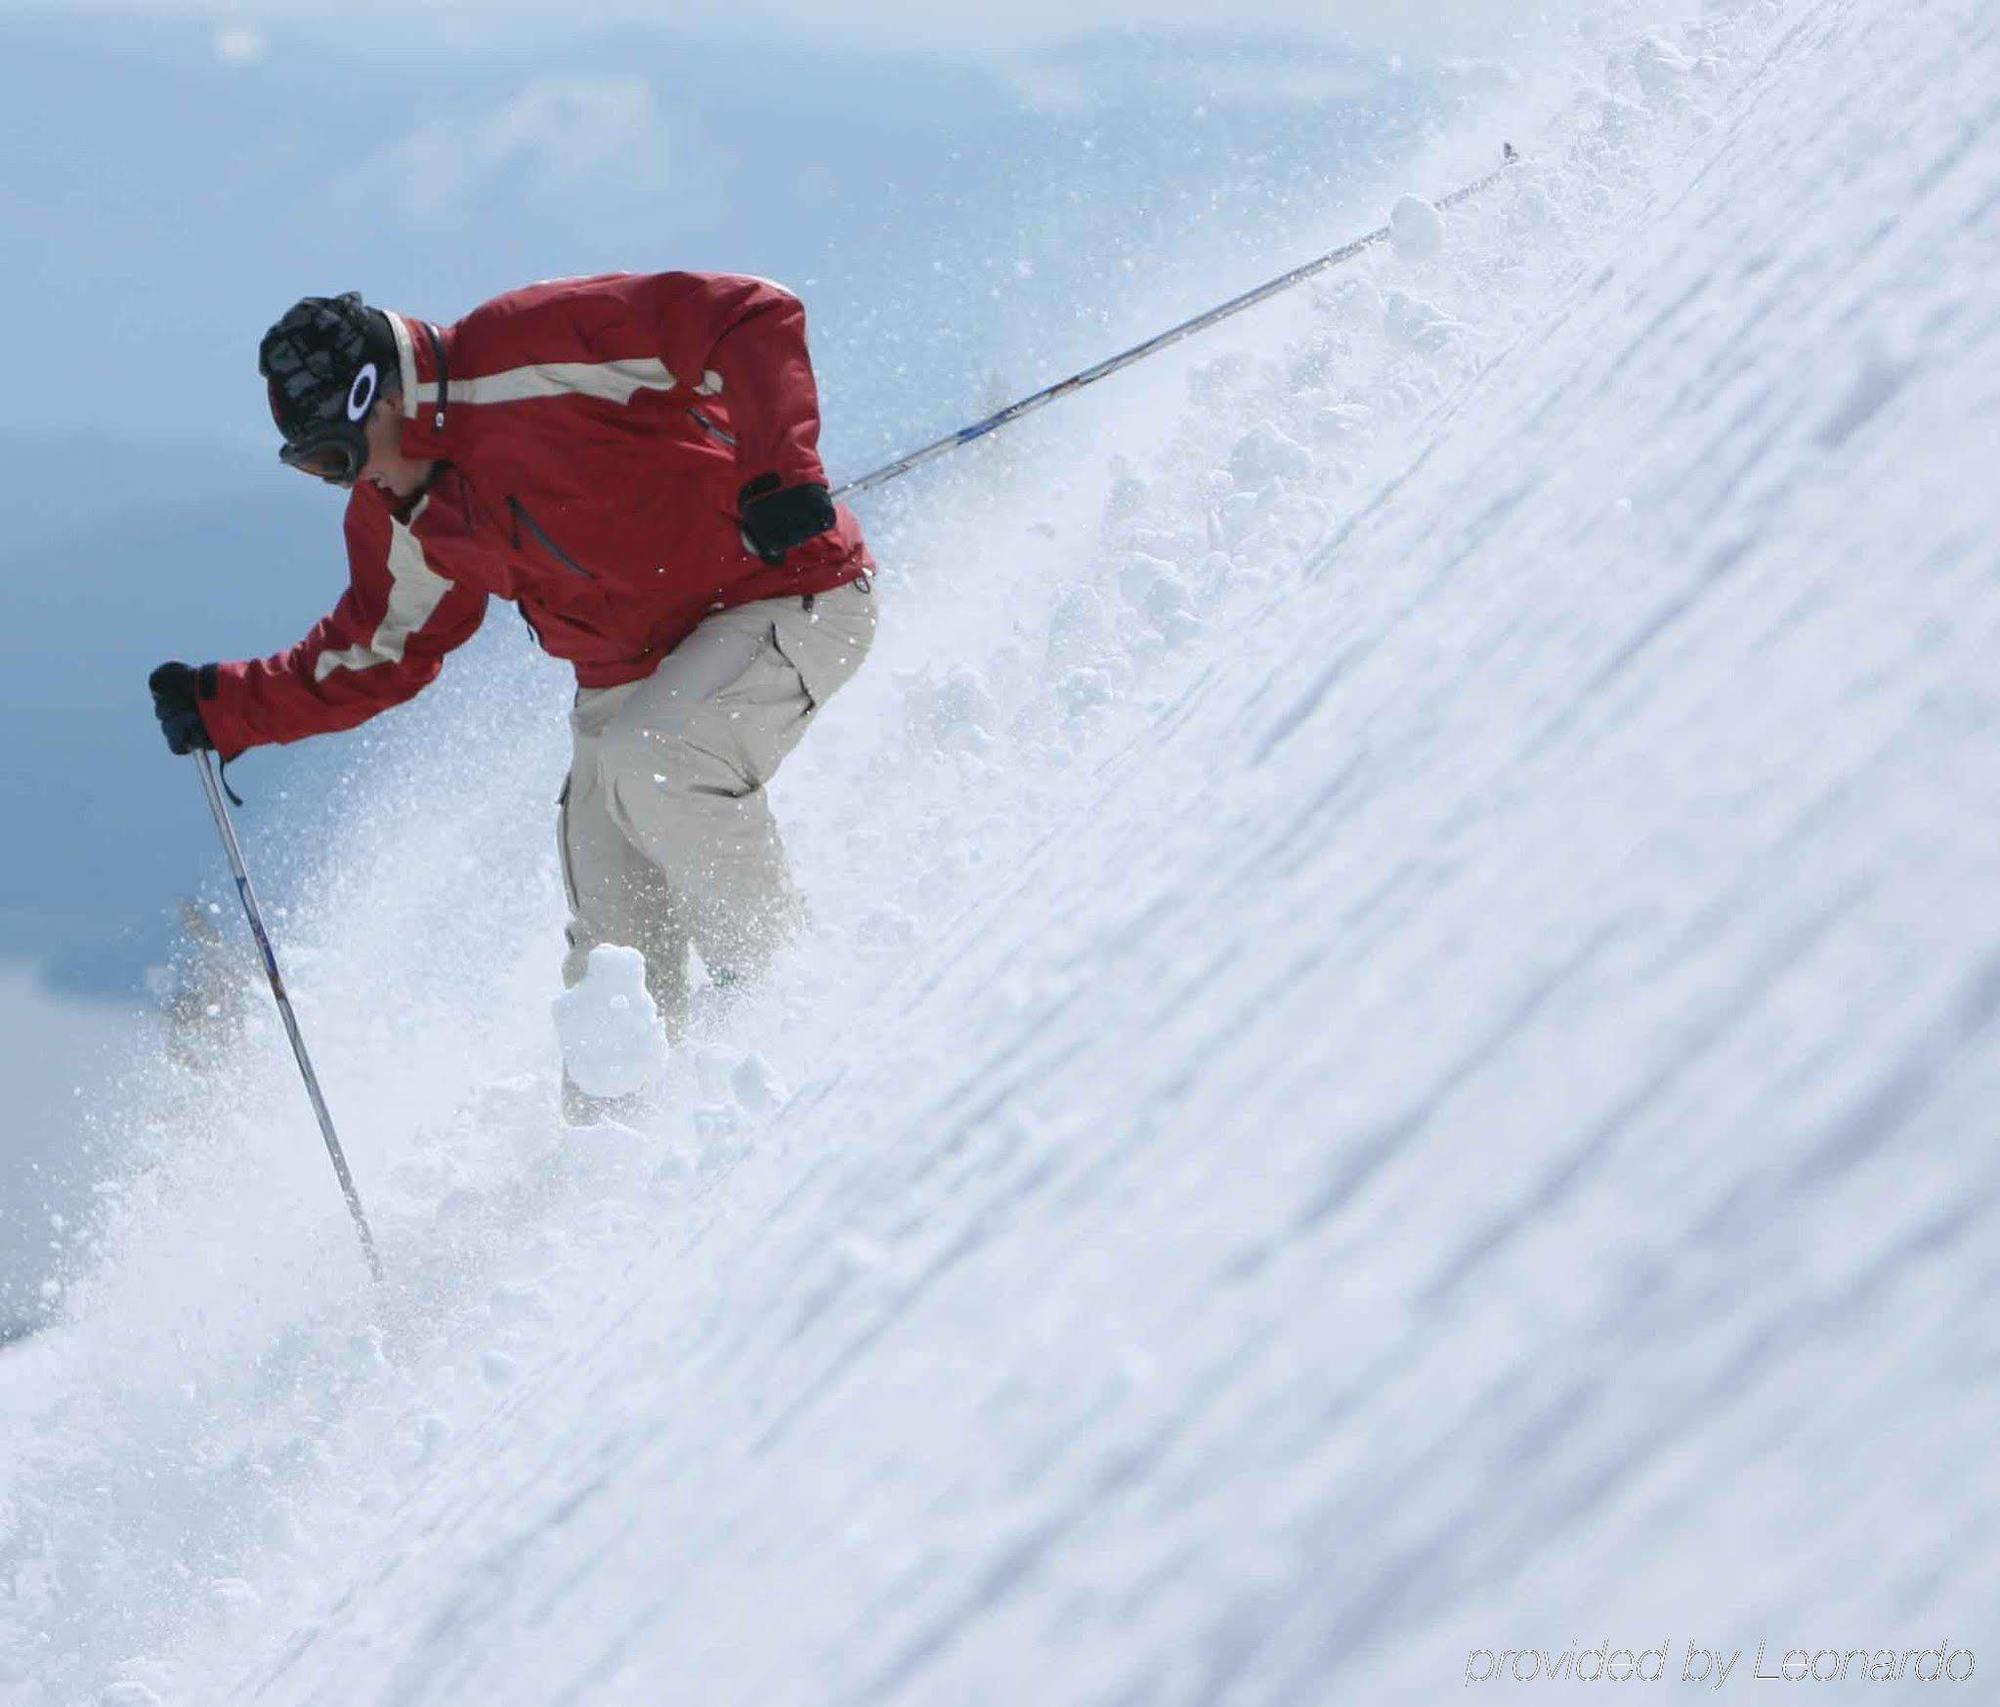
(337, 460)
(334, 450)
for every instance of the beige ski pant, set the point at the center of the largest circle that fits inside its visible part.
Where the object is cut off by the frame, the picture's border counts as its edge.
(667, 838)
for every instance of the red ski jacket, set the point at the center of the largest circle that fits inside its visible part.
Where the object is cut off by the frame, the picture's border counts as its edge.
(592, 435)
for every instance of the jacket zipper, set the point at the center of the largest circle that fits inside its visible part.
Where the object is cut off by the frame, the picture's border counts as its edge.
(721, 435)
(523, 519)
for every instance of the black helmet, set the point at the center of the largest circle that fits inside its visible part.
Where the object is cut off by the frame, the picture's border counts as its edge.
(324, 364)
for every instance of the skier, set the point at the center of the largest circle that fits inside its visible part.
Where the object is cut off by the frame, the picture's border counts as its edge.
(633, 460)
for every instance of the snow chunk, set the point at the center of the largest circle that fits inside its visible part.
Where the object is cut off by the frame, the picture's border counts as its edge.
(1355, 301)
(1265, 454)
(952, 710)
(610, 1026)
(1661, 69)
(1211, 382)
(735, 1091)
(1417, 324)
(1127, 493)
(1237, 516)
(1154, 589)
(757, 1089)
(1081, 690)
(1416, 229)
(1619, 120)
(1078, 626)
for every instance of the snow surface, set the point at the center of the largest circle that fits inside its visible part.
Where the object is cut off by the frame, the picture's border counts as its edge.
(1398, 1051)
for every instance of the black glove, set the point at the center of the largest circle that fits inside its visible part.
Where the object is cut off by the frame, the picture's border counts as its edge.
(178, 690)
(777, 517)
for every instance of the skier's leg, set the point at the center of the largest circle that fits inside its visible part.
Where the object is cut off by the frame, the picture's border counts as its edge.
(616, 895)
(684, 759)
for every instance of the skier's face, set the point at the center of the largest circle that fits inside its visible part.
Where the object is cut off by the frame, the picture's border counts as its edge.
(398, 475)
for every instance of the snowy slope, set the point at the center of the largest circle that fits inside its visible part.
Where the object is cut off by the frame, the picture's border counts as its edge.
(1397, 1056)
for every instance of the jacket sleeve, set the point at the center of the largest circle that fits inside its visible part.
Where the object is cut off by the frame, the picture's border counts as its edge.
(385, 640)
(743, 341)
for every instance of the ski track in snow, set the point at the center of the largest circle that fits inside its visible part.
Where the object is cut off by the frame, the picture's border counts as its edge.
(1396, 1056)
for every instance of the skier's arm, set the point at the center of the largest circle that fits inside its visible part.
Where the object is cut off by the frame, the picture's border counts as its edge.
(743, 341)
(384, 641)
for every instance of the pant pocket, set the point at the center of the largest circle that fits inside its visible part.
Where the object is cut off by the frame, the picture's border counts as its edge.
(562, 844)
(826, 645)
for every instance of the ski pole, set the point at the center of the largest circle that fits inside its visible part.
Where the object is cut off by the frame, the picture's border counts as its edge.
(256, 918)
(1138, 352)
